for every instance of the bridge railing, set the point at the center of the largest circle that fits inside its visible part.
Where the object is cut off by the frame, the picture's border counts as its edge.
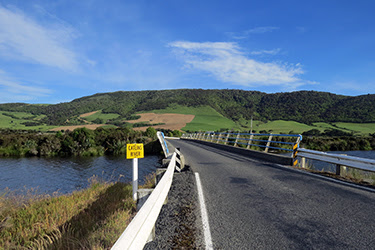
(137, 233)
(339, 160)
(276, 142)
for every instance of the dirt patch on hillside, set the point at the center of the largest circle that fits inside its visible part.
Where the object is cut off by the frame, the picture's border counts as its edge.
(88, 114)
(71, 128)
(171, 121)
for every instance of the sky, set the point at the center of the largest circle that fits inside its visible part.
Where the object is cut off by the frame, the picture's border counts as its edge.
(60, 50)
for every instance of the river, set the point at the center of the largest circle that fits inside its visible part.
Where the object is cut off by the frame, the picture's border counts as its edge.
(64, 175)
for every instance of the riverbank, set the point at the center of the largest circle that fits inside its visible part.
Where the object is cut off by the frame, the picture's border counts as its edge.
(88, 219)
(79, 142)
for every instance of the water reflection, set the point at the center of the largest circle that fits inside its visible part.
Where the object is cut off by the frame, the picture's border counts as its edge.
(68, 174)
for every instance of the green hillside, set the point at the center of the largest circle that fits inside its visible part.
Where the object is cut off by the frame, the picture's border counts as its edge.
(214, 109)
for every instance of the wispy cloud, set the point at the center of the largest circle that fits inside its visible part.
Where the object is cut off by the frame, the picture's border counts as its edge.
(24, 39)
(258, 30)
(14, 91)
(266, 52)
(227, 63)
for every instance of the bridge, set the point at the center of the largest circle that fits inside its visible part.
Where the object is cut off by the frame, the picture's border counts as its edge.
(257, 200)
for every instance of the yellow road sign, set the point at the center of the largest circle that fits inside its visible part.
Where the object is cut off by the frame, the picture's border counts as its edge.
(134, 150)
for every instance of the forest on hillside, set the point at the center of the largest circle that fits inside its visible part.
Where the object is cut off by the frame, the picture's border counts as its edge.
(301, 106)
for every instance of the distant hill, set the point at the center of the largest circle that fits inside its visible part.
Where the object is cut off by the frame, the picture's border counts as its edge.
(301, 106)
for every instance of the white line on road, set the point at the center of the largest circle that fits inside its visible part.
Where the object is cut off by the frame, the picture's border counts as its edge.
(206, 226)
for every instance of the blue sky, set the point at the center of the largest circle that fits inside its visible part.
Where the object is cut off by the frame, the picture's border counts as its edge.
(56, 51)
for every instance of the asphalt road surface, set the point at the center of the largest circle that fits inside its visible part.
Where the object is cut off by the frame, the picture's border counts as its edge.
(260, 205)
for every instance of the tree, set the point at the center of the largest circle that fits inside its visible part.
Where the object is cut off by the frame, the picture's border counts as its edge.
(151, 132)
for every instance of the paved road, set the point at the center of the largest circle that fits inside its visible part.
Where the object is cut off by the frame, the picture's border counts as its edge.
(257, 205)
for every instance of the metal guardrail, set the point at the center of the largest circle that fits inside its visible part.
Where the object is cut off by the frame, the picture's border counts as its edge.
(258, 140)
(283, 142)
(163, 143)
(137, 232)
(339, 160)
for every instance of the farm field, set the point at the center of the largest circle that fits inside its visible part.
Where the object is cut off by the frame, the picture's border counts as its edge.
(206, 118)
(298, 128)
(363, 128)
(92, 116)
(14, 120)
(165, 121)
(203, 118)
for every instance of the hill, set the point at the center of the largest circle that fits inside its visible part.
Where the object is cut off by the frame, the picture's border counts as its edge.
(305, 107)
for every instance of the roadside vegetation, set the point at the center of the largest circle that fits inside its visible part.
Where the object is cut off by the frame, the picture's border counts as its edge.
(79, 142)
(93, 218)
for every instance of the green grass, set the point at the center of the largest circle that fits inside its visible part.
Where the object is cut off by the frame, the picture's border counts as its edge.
(7, 122)
(100, 115)
(281, 127)
(206, 118)
(298, 128)
(93, 218)
(362, 128)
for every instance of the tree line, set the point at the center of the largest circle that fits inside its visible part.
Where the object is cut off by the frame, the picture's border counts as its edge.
(301, 106)
(79, 142)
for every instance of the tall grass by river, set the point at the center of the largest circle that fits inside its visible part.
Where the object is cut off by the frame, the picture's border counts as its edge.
(93, 218)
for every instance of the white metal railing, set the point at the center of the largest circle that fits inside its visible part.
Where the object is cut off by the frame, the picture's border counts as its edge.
(281, 142)
(137, 232)
(163, 143)
(339, 160)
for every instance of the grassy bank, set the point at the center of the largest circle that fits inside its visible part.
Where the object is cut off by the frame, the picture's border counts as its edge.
(93, 218)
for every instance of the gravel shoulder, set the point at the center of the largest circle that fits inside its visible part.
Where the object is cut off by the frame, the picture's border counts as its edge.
(179, 222)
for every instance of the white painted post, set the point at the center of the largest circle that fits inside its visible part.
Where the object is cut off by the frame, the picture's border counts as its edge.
(303, 162)
(218, 138)
(226, 139)
(268, 143)
(135, 178)
(250, 141)
(238, 136)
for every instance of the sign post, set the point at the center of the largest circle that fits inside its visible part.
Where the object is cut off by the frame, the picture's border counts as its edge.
(134, 151)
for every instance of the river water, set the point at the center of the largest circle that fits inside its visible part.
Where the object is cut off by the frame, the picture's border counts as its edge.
(64, 175)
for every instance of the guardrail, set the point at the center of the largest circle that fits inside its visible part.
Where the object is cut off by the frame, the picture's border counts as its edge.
(137, 232)
(339, 160)
(276, 142)
(248, 140)
(163, 143)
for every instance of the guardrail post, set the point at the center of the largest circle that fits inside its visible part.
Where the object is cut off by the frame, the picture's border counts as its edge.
(238, 136)
(268, 143)
(303, 162)
(338, 169)
(295, 152)
(218, 138)
(249, 142)
(178, 159)
(226, 139)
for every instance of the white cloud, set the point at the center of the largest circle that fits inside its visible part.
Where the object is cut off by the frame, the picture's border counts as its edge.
(267, 52)
(258, 30)
(22, 38)
(227, 63)
(14, 91)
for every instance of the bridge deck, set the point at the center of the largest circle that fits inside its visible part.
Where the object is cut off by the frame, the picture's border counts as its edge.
(253, 204)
